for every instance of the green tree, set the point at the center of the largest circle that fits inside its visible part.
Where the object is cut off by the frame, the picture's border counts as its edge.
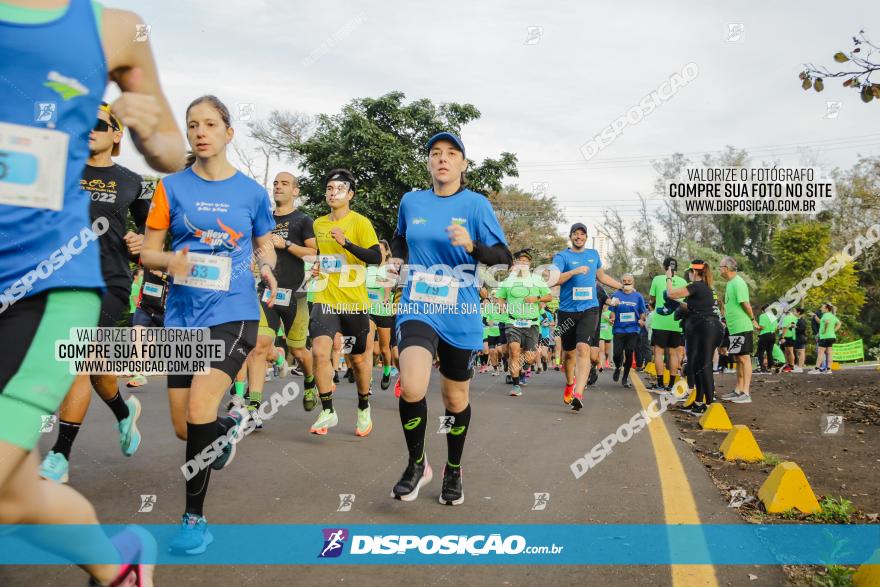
(800, 249)
(382, 141)
(529, 221)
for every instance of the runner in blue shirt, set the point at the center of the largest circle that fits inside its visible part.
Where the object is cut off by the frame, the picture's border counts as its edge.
(439, 314)
(215, 215)
(628, 313)
(55, 66)
(578, 315)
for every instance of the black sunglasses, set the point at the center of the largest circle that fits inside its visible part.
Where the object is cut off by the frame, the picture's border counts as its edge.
(103, 126)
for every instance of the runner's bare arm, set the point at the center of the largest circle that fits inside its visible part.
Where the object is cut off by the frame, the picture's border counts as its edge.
(142, 106)
(607, 279)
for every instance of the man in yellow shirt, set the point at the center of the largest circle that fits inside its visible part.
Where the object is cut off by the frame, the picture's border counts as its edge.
(347, 243)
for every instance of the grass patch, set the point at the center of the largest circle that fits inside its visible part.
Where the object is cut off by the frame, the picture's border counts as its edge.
(839, 511)
(835, 576)
(771, 459)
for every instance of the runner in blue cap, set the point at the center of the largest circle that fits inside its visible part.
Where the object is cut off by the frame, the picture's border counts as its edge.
(454, 228)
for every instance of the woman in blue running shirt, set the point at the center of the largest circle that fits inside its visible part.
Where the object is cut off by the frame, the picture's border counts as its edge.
(452, 227)
(216, 217)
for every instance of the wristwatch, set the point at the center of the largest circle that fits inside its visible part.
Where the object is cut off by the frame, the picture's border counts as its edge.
(288, 244)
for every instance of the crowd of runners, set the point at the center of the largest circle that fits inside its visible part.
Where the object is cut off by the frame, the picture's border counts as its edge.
(323, 299)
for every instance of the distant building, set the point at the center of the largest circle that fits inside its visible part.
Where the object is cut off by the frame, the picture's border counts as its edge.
(602, 244)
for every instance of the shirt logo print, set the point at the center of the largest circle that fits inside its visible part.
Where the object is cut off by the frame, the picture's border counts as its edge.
(227, 236)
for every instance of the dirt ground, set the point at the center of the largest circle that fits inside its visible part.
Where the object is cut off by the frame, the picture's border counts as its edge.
(787, 418)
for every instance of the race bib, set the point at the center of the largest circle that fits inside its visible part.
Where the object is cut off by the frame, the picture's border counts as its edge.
(582, 293)
(736, 344)
(331, 263)
(522, 323)
(153, 289)
(208, 272)
(627, 316)
(33, 163)
(374, 296)
(434, 289)
(282, 296)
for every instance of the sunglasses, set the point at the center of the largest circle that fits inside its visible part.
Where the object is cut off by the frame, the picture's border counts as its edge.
(103, 126)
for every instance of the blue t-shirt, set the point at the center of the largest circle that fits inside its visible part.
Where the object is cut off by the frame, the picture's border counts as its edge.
(627, 312)
(52, 78)
(422, 219)
(219, 218)
(578, 293)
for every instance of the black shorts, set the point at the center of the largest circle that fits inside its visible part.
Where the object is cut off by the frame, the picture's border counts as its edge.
(455, 363)
(278, 315)
(577, 327)
(826, 343)
(787, 342)
(492, 341)
(502, 333)
(666, 339)
(114, 303)
(800, 344)
(382, 321)
(742, 343)
(325, 322)
(239, 339)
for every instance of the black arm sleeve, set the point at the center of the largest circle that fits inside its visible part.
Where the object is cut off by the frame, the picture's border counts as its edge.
(371, 256)
(399, 248)
(495, 255)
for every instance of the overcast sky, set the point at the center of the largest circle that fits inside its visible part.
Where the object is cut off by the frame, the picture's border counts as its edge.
(543, 94)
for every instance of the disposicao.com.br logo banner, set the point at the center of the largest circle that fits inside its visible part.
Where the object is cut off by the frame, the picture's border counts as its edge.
(481, 544)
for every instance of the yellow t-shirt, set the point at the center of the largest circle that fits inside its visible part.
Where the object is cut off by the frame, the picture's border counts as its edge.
(338, 264)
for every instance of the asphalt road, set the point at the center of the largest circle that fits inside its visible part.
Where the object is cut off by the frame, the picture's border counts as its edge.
(516, 447)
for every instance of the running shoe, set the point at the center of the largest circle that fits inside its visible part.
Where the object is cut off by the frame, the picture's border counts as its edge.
(743, 398)
(226, 456)
(576, 404)
(594, 375)
(386, 381)
(495, 372)
(695, 409)
(729, 396)
(252, 408)
(516, 391)
(416, 476)
(326, 419)
(556, 367)
(55, 467)
(237, 401)
(827, 372)
(310, 395)
(296, 370)
(567, 394)
(137, 555)
(816, 371)
(129, 435)
(394, 372)
(336, 377)
(626, 384)
(364, 423)
(616, 374)
(137, 381)
(729, 371)
(349, 375)
(797, 370)
(193, 536)
(508, 380)
(522, 380)
(451, 493)
(283, 369)
(397, 388)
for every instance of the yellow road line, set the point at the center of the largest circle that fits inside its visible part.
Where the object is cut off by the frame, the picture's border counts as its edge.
(678, 499)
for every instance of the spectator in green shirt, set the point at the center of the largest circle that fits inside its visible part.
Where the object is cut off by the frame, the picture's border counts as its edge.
(741, 324)
(829, 324)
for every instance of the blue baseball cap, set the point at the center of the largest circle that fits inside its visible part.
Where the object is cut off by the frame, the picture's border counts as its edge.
(446, 136)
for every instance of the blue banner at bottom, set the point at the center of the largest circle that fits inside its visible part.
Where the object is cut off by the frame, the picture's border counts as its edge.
(523, 544)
